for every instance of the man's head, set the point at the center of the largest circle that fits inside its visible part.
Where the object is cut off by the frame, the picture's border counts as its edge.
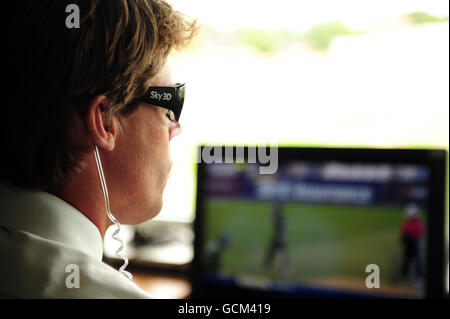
(136, 154)
(411, 211)
(66, 90)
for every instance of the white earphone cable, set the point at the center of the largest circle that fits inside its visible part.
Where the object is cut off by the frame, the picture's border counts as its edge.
(111, 217)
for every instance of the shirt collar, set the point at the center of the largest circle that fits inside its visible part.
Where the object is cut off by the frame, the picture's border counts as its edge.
(48, 216)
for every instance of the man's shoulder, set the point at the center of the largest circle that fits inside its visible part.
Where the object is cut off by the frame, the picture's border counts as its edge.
(35, 267)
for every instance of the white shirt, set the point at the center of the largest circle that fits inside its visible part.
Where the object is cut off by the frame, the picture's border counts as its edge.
(42, 237)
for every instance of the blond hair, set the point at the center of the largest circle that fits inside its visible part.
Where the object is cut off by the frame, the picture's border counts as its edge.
(54, 71)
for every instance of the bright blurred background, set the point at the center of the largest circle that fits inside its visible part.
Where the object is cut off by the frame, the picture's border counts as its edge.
(318, 73)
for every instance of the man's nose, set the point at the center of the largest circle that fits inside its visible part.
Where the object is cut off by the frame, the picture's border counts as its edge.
(174, 130)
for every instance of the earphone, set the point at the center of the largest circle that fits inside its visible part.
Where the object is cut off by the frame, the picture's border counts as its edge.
(111, 217)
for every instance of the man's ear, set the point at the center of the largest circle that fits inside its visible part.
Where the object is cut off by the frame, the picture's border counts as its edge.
(103, 134)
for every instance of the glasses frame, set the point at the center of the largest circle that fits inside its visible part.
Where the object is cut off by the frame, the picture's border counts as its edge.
(168, 97)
